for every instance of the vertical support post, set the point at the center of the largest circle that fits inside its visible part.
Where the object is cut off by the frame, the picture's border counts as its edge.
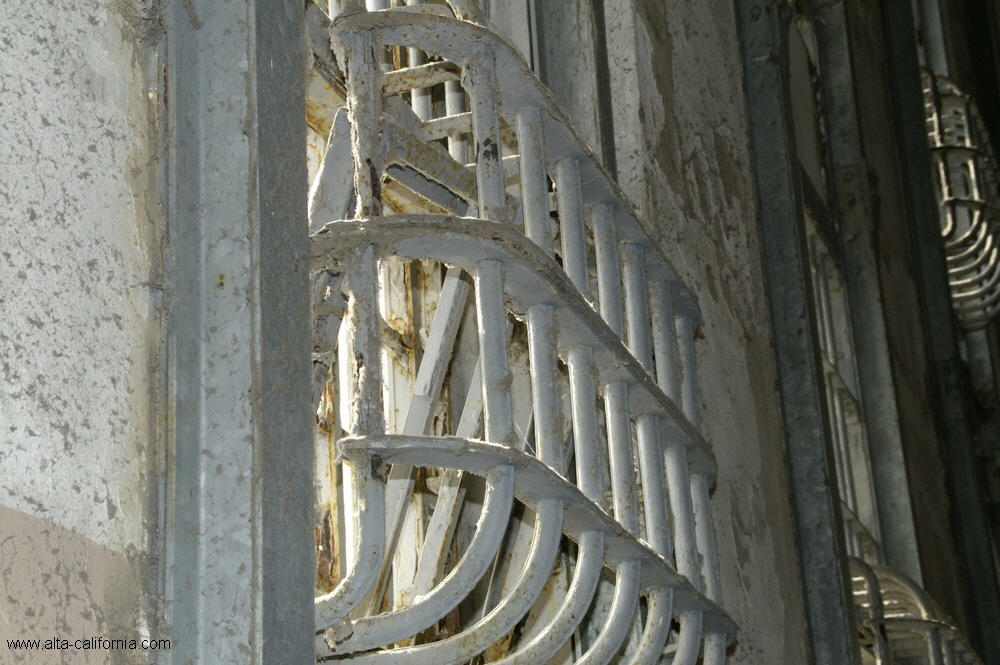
(626, 509)
(571, 224)
(365, 415)
(360, 360)
(583, 395)
(479, 79)
(662, 313)
(637, 304)
(651, 469)
(609, 280)
(678, 473)
(763, 26)
(493, 352)
(240, 566)
(420, 98)
(545, 386)
(454, 103)
(715, 644)
(534, 189)
(364, 101)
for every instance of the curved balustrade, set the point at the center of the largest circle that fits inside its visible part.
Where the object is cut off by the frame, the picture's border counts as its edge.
(900, 621)
(967, 193)
(607, 452)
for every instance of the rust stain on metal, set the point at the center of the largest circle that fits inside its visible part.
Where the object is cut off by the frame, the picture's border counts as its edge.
(490, 150)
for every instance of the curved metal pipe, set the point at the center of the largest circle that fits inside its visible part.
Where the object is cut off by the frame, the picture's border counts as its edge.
(689, 639)
(623, 607)
(660, 604)
(376, 631)
(361, 350)
(589, 562)
(333, 608)
(511, 609)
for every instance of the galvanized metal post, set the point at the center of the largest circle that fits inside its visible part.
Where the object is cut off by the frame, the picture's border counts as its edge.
(240, 560)
(763, 27)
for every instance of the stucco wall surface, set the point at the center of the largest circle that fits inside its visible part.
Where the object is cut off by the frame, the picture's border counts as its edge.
(79, 318)
(682, 154)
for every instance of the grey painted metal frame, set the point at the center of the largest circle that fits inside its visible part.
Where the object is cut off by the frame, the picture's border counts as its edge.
(763, 27)
(949, 382)
(240, 551)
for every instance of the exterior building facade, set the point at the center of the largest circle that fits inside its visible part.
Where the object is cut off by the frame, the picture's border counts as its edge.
(508, 331)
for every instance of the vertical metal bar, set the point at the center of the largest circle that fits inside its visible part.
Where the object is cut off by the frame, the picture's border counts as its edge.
(366, 413)
(662, 311)
(626, 509)
(479, 79)
(637, 304)
(364, 101)
(647, 431)
(545, 396)
(420, 98)
(454, 103)
(677, 471)
(571, 224)
(493, 349)
(534, 188)
(840, 429)
(935, 652)
(651, 464)
(583, 395)
(715, 644)
(679, 486)
(626, 512)
(689, 383)
(609, 281)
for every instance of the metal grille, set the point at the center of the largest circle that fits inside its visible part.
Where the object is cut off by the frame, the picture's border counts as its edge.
(898, 621)
(966, 177)
(505, 375)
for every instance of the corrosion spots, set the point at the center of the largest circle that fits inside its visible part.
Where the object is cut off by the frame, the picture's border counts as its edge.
(378, 469)
(375, 207)
(490, 150)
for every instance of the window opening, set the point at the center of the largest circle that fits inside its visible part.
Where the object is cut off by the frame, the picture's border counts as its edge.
(844, 412)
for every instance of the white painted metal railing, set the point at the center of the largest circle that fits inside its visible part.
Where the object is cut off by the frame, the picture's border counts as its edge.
(899, 621)
(966, 176)
(533, 267)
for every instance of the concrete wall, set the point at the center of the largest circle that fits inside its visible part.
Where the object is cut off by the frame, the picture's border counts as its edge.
(78, 341)
(682, 157)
